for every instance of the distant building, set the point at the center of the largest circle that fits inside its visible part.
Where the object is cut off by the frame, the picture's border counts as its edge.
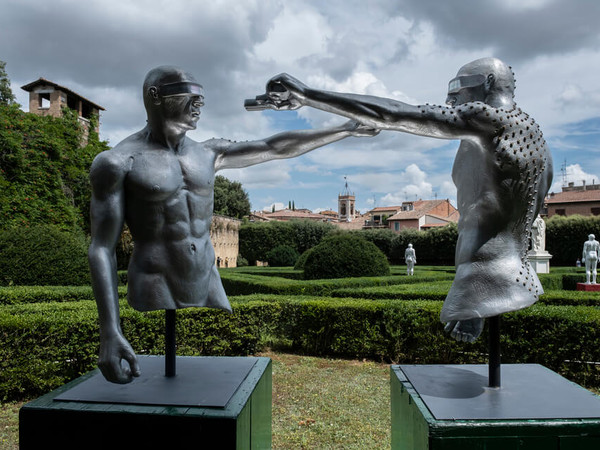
(48, 99)
(423, 214)
(583, 200)
(285, 215)
(225, 237)
(346, 203)
(330, 214)
(377, 217)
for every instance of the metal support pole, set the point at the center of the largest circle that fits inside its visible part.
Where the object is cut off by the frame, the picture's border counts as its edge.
(170, 318)
(494, 351)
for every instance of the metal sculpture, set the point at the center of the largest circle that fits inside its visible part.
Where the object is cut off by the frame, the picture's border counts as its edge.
(502, 172)
(161, 184)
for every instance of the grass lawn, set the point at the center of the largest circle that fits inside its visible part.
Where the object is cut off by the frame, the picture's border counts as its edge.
(317, 403)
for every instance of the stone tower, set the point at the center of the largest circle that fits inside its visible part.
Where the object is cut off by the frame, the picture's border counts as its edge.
(48, 99)
(346, 211)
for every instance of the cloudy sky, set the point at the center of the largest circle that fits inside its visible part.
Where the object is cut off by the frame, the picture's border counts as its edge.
(402, 49)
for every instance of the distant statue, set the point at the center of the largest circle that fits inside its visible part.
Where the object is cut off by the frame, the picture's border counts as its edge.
(411, 259)
(502, 172)
(591, 249)
(538, 235)
(161, 183)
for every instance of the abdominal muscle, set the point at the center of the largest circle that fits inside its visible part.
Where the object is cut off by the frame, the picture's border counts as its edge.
(172, 261)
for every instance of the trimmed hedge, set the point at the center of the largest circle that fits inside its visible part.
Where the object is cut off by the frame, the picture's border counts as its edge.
(43, 255)
(43, 346)
(565, 237)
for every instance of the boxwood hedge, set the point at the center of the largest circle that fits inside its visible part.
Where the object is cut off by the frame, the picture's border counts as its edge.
(45, 345)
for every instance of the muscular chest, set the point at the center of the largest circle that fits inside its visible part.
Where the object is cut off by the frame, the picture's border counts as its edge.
(159, 175)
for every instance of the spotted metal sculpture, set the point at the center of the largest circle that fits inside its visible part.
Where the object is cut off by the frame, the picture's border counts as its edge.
(502, 172)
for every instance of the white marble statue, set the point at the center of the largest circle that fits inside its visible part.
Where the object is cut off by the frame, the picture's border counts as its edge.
(411, 259)
(538, 235)
(591, 248)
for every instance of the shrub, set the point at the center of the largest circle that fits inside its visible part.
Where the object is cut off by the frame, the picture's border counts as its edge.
(256, 239)
(43, 346)
(241, 261)
(565, 237)
(382, 238)
(282, 256)
(302, 260)
(345, 255)
(43, 255)
(435, 246)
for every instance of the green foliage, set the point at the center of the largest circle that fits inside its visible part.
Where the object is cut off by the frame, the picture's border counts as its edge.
(230, 198)
(435, 246)
(14, 295)
(43, 346)
(241, 261)
(44, 169)
(382, 238)
(307, 233)
(6, 95)
(345, 255)
(565, 237)
(282, 256)
(43, 255)
(257, 239)
(302, 260)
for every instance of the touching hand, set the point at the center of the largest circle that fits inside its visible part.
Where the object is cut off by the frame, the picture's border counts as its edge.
(284, 93)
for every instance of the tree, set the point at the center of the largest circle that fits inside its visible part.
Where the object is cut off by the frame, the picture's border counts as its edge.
(230, 198)
(6, 95)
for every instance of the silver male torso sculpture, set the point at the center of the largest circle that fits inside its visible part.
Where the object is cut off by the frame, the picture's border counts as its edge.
(160, 183)
(502, 172)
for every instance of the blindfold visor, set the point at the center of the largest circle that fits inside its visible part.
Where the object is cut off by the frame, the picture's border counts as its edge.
(180, 88)
(467, 81)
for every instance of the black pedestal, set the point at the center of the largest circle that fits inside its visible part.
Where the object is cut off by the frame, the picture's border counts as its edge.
(450, 407)
(212, 402)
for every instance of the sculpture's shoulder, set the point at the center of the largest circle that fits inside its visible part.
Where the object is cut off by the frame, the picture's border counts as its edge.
(110, 167)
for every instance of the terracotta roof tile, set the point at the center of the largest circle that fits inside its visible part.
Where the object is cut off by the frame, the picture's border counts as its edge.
(574, 196)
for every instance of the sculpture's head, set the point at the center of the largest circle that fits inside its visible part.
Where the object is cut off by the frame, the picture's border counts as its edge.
(173, 96)
(487, 80)
(409, 245)
(591, 237)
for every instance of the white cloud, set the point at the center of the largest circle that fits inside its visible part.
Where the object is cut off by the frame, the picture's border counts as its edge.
(574, 174)
(296, 33)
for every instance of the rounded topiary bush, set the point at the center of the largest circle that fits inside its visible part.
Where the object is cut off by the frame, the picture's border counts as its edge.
(282, 256)
(43, 255)
(345, 255)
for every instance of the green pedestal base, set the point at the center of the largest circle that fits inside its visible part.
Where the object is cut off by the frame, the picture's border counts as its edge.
(244, 422)
(514, 417)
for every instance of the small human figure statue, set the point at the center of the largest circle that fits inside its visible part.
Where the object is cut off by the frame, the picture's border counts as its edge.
(161, 183)
(578, 263)
(538, 235)
(411, 259)
(591, 249)
(502, 173)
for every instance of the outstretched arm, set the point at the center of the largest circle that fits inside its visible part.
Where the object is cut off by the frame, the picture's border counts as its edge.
(107, 213)
(283, 145)
(285, 92)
